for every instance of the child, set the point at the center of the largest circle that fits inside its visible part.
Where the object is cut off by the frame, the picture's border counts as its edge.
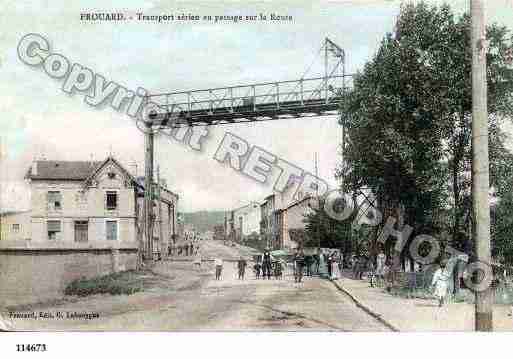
(257, 268)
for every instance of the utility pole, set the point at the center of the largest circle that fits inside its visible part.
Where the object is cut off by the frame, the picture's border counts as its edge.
(326, 92)
(480, 165)
(1, 159)
(148, 192)
(159, 203)
(318, 208)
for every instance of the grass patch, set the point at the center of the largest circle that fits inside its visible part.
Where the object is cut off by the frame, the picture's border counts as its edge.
(128, 282)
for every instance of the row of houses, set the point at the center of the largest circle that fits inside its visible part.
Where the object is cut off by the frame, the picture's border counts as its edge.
(275, 220)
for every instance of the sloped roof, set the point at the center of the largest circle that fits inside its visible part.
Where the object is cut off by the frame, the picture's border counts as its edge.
(295, 203)
(63, 170)
(141, 187)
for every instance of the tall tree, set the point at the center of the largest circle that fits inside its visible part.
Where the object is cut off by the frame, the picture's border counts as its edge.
(408, 117)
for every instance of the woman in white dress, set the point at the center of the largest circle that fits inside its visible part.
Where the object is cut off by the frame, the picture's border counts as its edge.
(380, 268)
(335, 270)
(440, 283)
(197, 260)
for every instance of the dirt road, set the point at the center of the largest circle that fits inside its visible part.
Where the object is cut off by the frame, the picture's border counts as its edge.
(192, 300)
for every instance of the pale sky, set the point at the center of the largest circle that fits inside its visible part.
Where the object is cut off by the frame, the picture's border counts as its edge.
(38, 118)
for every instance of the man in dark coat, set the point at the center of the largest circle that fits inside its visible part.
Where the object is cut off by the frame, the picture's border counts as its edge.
(241, 265)
(308, 264)
(317, 260)
(329, 262)
(266, 264)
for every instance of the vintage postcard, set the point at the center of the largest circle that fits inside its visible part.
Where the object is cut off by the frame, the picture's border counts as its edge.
(258, 166)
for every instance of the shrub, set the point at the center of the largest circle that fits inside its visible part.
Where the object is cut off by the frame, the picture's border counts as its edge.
(117, 283)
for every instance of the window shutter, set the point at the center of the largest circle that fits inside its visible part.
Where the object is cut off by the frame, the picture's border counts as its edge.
(105, 200)
(54, 226)
(111, 228)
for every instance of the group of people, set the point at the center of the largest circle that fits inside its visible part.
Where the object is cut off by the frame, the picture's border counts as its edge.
(376, 270)
(241, 267)
(380, 273)
(268, 267)
(186, 249)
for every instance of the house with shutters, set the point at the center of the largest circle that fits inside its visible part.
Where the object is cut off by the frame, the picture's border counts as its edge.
(82, 202)
(85, 220)
(94, 203)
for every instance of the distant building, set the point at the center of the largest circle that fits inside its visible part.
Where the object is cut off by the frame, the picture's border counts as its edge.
(279, 213)
(15, 225)
(244, 220)
(219, 232)
(291, 222)
(269, 223)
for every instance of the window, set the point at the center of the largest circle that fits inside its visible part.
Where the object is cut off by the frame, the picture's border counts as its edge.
(54, 200)
(111, 175)
(81, 230)
(54, 230)
(16, 228)
(112, 200)
(111, 230)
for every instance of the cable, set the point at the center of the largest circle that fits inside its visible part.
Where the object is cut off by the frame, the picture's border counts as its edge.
(315, 58)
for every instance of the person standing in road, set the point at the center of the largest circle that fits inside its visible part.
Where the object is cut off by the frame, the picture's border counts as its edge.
(317, 259)
(440, 283)
(329, 262)
(340, 261)
(197, 260)
(241, 264)
(299, 262)
(218, 263)
(266, 264)
(257, 268)
(380, 268)
(308, 265)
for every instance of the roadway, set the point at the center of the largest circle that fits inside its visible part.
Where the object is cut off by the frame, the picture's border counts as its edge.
(192, 300)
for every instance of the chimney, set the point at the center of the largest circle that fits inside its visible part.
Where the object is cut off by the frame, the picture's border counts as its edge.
(33, 170)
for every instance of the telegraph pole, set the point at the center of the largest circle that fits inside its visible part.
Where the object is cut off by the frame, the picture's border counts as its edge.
(159, 203)
(1, 164)
(318, 207)
(480, 165)
(148, 191)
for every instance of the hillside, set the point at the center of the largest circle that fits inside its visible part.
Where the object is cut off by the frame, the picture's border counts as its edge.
(203, 220)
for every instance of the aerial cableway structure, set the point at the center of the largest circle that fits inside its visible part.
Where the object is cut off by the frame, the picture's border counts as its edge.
(300, 98)
(304, 97)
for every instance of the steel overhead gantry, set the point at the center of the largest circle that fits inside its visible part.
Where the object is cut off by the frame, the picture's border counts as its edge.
(305, 97)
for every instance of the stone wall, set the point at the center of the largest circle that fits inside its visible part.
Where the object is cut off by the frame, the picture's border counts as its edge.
(31, 275)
